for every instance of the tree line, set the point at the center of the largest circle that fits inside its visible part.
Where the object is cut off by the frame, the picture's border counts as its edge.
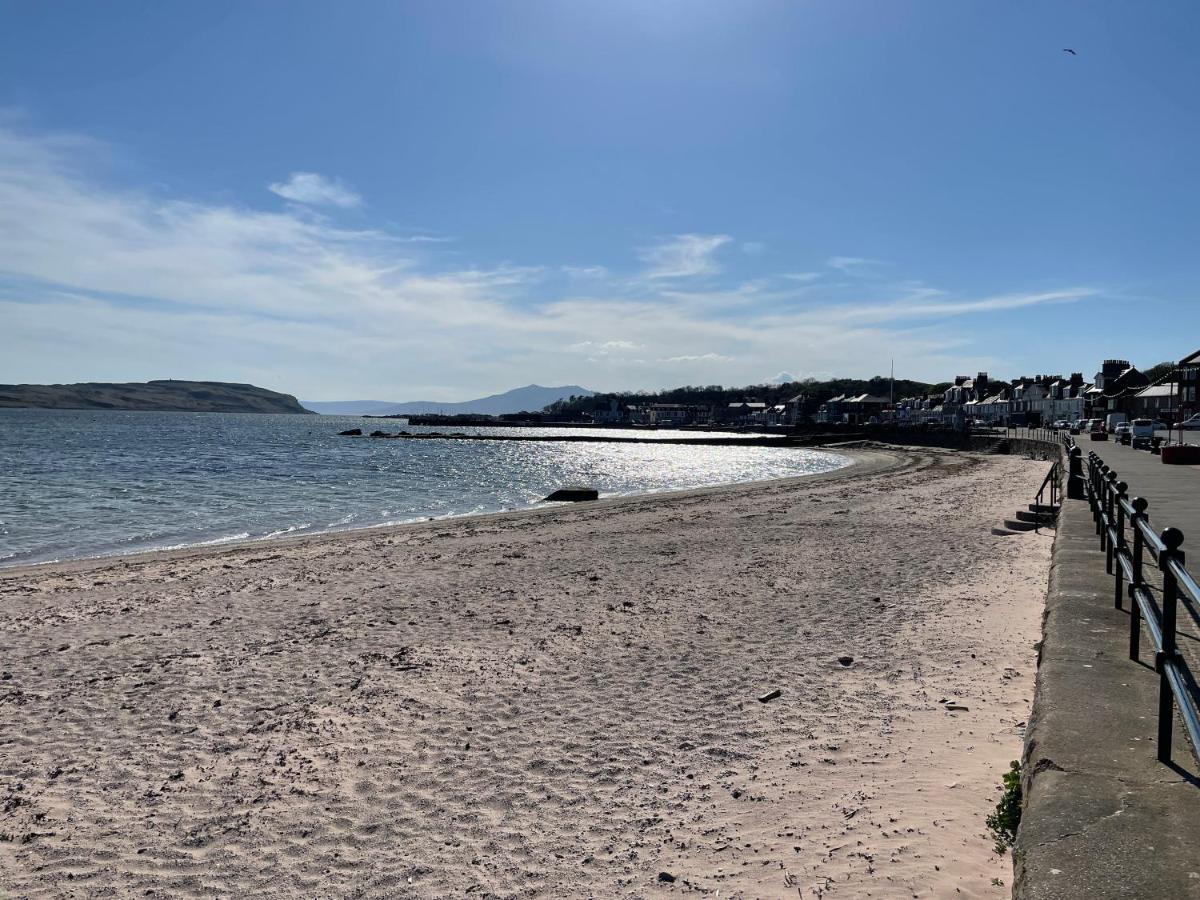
(771, 394)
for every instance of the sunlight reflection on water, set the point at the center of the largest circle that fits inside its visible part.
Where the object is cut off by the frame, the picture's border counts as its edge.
(83, 483)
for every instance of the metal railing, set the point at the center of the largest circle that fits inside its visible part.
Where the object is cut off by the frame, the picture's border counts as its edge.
(1118, 518)
(1035, 433)
(1053, 482)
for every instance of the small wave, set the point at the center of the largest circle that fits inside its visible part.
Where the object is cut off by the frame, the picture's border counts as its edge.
(291, 529)
(18, 559)
(227, 539)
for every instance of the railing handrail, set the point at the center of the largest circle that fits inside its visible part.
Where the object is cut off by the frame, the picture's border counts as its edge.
(1114, 512)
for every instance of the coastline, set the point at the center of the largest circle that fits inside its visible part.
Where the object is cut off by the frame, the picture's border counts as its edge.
(862, 462)
(561, 700)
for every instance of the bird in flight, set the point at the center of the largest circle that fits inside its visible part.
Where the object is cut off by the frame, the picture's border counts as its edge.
(1069, 50)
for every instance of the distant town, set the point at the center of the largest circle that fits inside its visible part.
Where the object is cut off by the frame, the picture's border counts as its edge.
(1165, 392)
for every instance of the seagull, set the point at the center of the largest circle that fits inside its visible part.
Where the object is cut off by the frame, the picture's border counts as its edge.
(1069, 50)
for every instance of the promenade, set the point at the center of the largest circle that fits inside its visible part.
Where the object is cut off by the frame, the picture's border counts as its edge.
(1173, 491)
(1103, 817)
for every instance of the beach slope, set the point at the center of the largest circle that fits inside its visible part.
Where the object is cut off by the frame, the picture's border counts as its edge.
(558, 703)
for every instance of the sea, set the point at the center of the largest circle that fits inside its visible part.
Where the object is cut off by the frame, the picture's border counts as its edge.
(78, 484)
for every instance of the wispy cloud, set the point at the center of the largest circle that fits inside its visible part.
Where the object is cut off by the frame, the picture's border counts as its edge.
(851, 265)
(605, 346)
(684, 255)
(917, 308)
(312, 189)
(585, 271)
(697, 357)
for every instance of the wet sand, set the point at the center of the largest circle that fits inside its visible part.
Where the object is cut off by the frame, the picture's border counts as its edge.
(551, 703)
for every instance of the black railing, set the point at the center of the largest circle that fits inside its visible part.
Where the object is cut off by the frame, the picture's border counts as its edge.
(1037, 432)
(1051, 482)
(1118, 518)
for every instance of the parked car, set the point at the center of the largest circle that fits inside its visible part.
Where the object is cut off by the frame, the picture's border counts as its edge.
(1141, 433)
(1192, 424)
(1159, 425)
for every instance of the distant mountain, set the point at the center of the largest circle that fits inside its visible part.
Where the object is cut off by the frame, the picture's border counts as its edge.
(162, 396)
(530, 398)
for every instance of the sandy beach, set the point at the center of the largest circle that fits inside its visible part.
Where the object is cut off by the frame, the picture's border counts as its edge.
(553, 703)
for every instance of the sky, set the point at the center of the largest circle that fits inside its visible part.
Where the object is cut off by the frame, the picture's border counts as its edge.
(442, 200)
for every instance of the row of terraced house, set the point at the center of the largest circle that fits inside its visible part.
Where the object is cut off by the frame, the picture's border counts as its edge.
(1118, 387)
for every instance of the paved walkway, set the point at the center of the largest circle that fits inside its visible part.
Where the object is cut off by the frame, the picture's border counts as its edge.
(1173, 491)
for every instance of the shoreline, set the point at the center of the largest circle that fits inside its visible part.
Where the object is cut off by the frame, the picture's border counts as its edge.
(857, 458)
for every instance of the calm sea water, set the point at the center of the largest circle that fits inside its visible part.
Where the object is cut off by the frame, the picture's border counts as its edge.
(79, 484)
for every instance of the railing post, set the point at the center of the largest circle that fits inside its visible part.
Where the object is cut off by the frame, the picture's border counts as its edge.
(1139, 581)
(1172, 538)
(1075, 474)
(1110, 491)
(1121, 488)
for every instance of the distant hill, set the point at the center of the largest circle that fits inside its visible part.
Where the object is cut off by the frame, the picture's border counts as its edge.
(530, 398)
(163, 396)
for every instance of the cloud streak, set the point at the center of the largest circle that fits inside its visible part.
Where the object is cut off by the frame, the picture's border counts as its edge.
(684, 255)
(851, 265)
(315, 190)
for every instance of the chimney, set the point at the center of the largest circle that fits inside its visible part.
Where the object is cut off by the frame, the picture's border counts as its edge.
(1113, 368)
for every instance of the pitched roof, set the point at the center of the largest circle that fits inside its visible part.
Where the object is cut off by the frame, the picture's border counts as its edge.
(1159, 390)
(867, 398)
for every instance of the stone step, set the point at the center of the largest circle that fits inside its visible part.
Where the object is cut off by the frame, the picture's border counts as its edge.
(1039, 518)
(1018, 525)
(1044, 508)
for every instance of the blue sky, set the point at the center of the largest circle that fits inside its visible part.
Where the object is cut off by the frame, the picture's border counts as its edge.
(439, 200)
